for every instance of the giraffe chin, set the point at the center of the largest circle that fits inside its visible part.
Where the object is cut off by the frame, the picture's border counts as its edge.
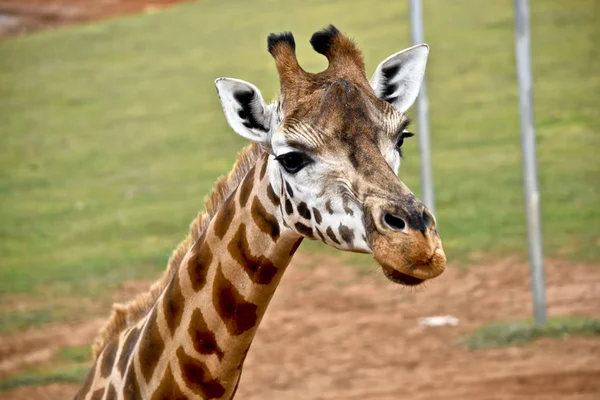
(402, 278)
(413, 269)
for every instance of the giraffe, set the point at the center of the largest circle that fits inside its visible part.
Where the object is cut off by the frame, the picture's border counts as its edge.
(323, 166)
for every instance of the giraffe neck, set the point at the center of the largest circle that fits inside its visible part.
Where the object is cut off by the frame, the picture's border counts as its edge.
(228, 281)
(194, 341)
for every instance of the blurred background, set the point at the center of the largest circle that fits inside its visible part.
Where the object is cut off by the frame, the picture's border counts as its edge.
(111, 134)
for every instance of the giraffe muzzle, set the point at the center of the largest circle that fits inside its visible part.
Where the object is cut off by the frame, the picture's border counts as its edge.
(409, 249)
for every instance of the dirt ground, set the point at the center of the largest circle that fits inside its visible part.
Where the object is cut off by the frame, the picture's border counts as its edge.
(19, 17)
(332, 333)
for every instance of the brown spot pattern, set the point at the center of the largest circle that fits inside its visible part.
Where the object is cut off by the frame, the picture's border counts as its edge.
(346, 233)
(259, 269)
(151, 347)
(203, 338)
(198, 264)
(347, 208)
(303, 210)
(98, 394)
(111, 393)
(331, 235)
(224, 217)
(328, 206)
(263, 167)
(238, 314)
(128, 345)
(108, 357)
(272, 196)
(288, 207)
(168, 388)
(304, 229)
(131, 387)
(320, 235)
(265, 221)
(87, 385)
(288, 189)
(173, 304)
(198, 377)
(317, 215)
(246, 188)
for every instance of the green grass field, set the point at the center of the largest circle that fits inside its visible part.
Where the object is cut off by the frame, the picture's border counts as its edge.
(111, 133)
(516, 333)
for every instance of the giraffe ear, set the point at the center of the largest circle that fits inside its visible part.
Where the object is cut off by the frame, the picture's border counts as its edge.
(398, 78)
(244, 109)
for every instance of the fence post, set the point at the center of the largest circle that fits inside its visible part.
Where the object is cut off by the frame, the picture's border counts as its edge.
(416, 27)
(532, 196)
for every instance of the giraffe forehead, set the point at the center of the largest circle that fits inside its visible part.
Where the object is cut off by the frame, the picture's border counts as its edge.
(339, 112)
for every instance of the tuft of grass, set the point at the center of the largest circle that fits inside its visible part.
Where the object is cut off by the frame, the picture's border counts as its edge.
(71, 374)
(501, 334)
(70, 364)
(17, 320)
(74, 354)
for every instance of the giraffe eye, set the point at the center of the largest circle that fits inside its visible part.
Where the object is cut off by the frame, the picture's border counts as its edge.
(293, 162)
(400, 142)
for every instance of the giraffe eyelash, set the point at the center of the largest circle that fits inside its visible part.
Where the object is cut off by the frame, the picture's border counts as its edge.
(405, 124)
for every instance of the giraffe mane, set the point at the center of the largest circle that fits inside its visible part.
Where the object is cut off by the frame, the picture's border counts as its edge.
(125, 315)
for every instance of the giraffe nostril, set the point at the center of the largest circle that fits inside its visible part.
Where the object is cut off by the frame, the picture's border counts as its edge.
(393, 222)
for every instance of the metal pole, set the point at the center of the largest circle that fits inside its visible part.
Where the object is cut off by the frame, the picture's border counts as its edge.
(416, 28)
(532, 196)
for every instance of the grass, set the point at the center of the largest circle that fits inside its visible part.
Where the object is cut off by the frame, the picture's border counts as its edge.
(17, 320)
(70, 374)
(111, 133)
(70, 364)
(75, 354)
(41, 310)
(502, 334)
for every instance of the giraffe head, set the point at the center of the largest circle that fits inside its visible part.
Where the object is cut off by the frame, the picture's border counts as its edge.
(334, 140)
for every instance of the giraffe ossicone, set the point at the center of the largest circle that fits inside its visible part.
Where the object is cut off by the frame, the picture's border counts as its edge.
(323, 166)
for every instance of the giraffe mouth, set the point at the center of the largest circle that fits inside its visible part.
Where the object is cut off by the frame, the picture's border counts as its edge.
(402, 278)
